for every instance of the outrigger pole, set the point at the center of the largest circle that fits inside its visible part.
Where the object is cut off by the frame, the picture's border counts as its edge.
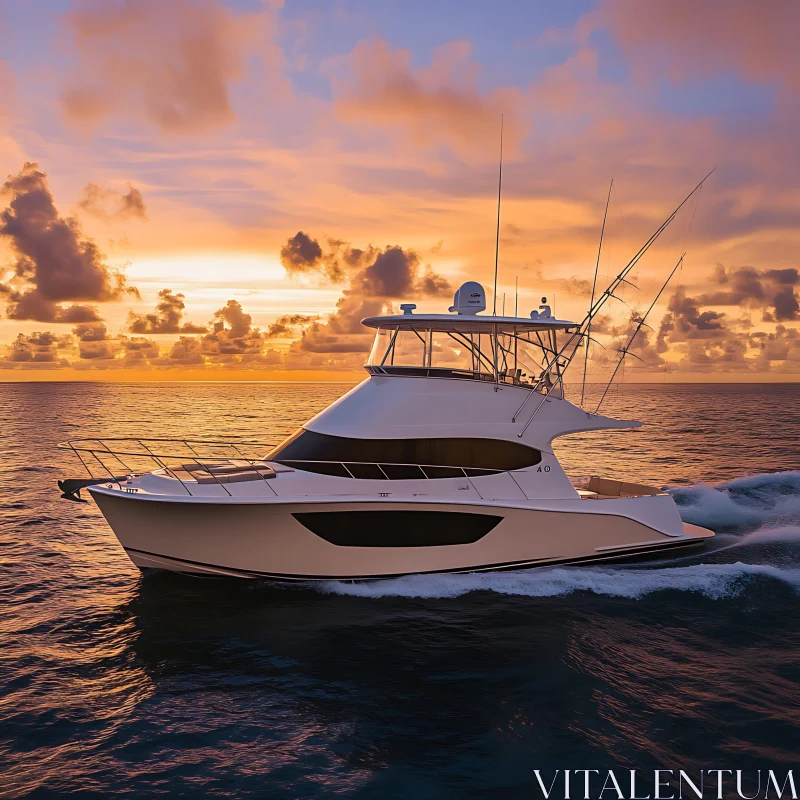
(576, 338)
(625, 350)
(594, 287)
(497, 234)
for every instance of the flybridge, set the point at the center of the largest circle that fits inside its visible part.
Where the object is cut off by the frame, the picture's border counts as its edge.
(464, 346)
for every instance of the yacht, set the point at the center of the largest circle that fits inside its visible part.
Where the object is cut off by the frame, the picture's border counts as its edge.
(440, 461)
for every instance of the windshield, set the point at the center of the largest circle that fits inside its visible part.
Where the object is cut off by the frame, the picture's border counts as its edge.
(509, 357)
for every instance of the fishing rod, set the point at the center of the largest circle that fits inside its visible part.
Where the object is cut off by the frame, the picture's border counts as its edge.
(625, 350)
(576, 338)
(594, 287)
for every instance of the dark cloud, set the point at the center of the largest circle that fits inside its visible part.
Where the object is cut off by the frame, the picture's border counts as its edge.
(90, 332)
(706, 341)
(138, 351)
(285, 325)
(301, 254)
(390, 272)
(92, 350)
(55, 261)
(108, 203)
(35, 349)
(684, 321)
(166, 318)
(786, 305)
(382, 276)
(374, 277)
(31, 305)
(769, 289)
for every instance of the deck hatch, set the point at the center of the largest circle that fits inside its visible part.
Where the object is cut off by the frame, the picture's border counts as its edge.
(397, 528)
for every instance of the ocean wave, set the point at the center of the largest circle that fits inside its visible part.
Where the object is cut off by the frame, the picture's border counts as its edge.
(716, 581)
(771, 500)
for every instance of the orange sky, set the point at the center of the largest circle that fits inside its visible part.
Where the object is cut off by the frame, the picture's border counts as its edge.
(175, 151)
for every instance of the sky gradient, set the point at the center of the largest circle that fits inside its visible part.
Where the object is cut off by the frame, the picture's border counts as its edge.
(219, 190)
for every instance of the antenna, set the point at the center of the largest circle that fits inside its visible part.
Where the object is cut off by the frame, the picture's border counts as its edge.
(516, 296)
(497, 235)
(594, 287)
(504, 303)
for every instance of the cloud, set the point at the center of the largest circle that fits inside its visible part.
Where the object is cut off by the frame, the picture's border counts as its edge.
(753, 288)
(377, 86)
(31, 305)
(109, 203)
(166, 318)
(301, 254)
(688, 39)
(786, 305)
(90, 332)
(684, 320)
(777, 351)
(55, 262)
(36, 350)
(705, 341)
(185, 352)
(170, 63)
(374, 277)
(138, 351)
(285, 324)
(232, 333)
(91, 350)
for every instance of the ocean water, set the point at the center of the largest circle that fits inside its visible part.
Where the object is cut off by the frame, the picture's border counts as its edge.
(419, 687)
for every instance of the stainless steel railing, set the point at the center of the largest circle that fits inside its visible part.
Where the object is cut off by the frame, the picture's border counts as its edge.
(110, 454)
(99, 453)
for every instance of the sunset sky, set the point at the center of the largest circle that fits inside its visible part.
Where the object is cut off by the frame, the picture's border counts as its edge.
(222, 189)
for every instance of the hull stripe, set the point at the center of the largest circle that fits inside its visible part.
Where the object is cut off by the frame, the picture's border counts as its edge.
(509, 565)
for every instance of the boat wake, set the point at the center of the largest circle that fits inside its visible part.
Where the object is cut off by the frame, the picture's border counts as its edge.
(755, 510)
(716, 581)
(771, 500)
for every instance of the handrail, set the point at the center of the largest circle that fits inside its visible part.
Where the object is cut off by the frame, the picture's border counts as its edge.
(98, 447)
(381, 464)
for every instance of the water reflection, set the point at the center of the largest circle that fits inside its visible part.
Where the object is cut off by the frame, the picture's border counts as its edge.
(114, 683)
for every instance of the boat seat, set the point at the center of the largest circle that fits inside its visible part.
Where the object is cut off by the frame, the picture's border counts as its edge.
(226, 472)
(605, 487)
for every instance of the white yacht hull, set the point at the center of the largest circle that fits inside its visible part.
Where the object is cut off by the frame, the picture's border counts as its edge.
(364, 539)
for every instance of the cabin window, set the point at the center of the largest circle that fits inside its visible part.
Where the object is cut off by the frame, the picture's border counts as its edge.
(401, 459)
(398, 528)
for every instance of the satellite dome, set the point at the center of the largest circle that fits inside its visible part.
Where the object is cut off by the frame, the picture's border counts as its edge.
(469, 299)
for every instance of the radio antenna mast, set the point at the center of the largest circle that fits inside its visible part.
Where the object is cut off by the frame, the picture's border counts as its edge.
(497, 234)
(594, 287)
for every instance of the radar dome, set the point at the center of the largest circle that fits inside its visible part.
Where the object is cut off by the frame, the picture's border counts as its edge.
(469, 299)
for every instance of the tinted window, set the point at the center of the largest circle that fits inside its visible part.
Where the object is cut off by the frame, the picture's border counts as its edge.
(474, 455)
(397, 528)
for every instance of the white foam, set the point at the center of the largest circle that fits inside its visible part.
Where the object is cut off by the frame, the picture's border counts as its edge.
(742, 503)
(712, 580)
(781, 534)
